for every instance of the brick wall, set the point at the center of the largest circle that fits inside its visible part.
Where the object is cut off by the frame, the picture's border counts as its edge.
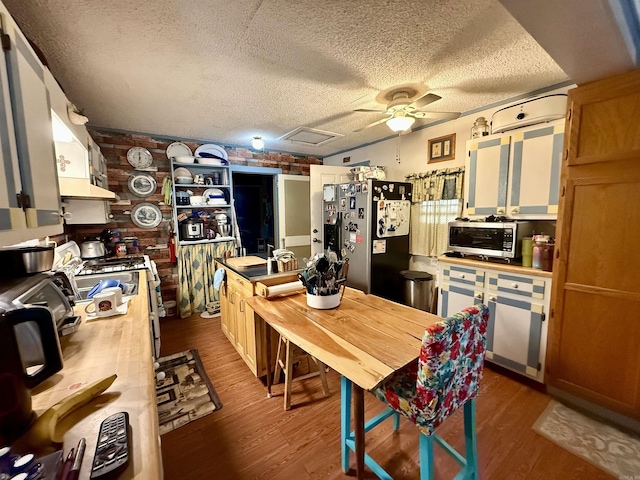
(114, 147)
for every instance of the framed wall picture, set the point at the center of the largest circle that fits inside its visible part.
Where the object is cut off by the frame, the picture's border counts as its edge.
(442, 148)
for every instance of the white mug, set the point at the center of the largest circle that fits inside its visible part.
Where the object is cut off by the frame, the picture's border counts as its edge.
(106, 302)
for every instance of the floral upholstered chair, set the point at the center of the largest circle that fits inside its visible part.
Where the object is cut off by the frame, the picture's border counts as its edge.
(445, 378)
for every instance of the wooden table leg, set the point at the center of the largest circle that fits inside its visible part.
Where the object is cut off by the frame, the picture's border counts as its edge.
(268, 340)
(358, 413)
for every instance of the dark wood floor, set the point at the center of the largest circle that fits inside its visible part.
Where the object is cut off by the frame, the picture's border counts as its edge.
(252, 437)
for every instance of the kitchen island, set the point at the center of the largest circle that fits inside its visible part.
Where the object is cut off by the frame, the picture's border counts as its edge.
(99, 348)
(245, 330)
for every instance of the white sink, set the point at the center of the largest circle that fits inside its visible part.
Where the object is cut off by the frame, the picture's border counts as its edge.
(86, 282)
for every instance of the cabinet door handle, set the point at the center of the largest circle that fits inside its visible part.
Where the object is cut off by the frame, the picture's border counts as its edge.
(514, 285)
(515, 210)
(478, 296)
(242, 306)
(493, 299)
(231, 298)
(500, 211)
(462, 275)
(224, 289)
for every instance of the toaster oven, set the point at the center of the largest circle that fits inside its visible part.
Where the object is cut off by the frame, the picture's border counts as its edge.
(491, 239)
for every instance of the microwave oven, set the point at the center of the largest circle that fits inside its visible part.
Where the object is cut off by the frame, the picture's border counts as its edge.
(491, 239)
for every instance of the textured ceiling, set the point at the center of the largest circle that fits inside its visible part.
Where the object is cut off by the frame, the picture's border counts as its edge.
(225, 70)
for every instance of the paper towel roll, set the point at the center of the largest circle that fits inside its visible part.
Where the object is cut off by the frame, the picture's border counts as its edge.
(282, 289)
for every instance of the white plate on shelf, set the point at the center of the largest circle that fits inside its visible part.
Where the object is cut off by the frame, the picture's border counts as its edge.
(178, 148)
(213, 192)
(212, 149)
(214, 162)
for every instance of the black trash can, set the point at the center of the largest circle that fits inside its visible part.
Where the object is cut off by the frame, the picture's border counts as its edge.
(418, 289)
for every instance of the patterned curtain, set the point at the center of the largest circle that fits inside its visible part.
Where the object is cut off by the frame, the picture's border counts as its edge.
(436, 201)
(196, 266)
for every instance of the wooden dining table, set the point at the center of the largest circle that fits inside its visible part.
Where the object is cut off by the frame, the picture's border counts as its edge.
(365, 339)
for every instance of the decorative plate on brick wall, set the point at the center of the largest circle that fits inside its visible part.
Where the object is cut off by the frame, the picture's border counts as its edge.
(142, 184)
(146, 215)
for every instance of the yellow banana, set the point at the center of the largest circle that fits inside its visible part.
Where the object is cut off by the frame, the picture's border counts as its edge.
(43, 431)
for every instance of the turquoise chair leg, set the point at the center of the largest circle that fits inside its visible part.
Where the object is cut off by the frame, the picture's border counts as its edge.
(396, 421)
(471, 443)
(426, 458)
(345, 420)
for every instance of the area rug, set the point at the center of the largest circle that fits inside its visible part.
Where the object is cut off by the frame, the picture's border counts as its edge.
(185, 394)
(602, 445)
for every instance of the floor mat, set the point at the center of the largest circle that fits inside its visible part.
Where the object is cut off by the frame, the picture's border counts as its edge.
(186, 393)
(602, 445)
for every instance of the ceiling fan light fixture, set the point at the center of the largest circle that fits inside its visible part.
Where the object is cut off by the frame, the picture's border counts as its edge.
(400, 123)
(257, 143)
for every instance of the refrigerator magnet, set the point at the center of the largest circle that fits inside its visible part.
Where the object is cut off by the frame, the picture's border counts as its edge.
(379, 246)
(352, 203)
(361, 213)
(352, 237)
(358, 239)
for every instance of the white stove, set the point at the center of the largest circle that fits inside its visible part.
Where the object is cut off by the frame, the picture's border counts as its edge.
(117, 264)
(74, 267)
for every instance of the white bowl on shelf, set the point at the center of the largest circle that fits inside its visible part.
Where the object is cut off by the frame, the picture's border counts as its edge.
(182, 172)
(184, 179)
(197, 200)
(184, 159)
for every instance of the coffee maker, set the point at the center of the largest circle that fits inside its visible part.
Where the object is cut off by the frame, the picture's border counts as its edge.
(29, 354)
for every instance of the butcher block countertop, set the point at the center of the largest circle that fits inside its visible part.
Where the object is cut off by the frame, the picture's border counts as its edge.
(99, 348)
(501, 267)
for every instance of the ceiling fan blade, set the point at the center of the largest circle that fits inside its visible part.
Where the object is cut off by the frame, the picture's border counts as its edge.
(437, 115)
(382, 120)
(425, 100)
(369, 110)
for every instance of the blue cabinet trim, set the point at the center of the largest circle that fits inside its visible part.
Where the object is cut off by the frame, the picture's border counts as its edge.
(535, 333)
(504, 173)
(517, 173)
(7, 159)
(473, 168)
(491, 325)
(5, 219)
(509, 363)
(554, 187)
(541, 132)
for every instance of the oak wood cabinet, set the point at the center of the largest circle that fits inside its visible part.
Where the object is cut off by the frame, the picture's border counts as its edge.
(594, 329)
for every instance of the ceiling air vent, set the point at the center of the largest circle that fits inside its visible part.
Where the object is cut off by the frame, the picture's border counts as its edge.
(310, 136)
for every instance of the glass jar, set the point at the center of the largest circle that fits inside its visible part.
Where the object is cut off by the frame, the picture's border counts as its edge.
(480, 128)
(546, 255)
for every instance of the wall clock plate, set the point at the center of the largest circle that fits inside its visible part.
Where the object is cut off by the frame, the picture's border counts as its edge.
(139, 157)
(142, 184)
(146, 215)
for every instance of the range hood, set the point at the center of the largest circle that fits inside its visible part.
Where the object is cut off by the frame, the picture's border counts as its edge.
(82, 188)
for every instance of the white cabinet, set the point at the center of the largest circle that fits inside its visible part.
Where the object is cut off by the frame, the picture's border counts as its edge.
(87, 212)
(29, 201)
(80, 164)
(218, 178)
(518, 303)
(517, 174)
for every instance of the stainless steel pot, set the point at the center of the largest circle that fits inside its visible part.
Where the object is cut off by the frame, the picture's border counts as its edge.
(192, 229)
(92, 249)
(18, 262)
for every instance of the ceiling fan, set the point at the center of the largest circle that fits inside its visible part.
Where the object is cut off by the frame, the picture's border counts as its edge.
(402, 110)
